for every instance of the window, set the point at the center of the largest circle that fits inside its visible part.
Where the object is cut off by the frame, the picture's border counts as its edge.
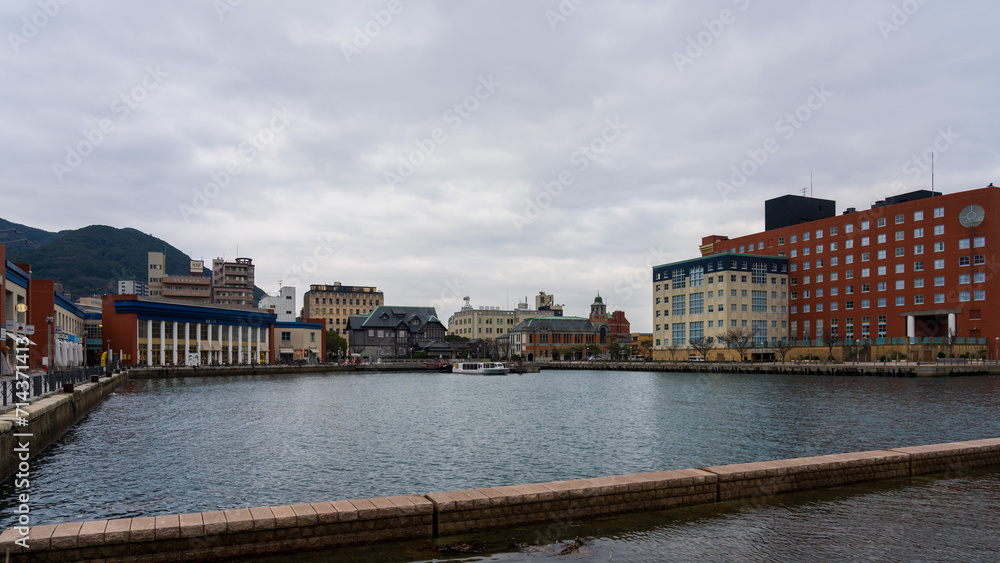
(918, 232)
(287, 336)
(805, 236)
(918, 249)
(833, 231)
(979, 277)
(964, 278)
(781, 241)
(939, 298)
(834, 261)
(678, 332)
(864, 225)
(963, 260)
(918, 282)
(900, 300)
(881, 238)
(849, 228)
(679, 305)
(697, 276)
(881, 286)
(849, 304)
(881, 270)
(938, 281)
(918, 215)
(866, 287)
(865, 272)
(899, 235)
(697, 303)
(833, 305)
(881, 254)
(866, 256)
(806, 251)
(899, 218)
(939, 247)
(834, 290)
(794, 239)
(938, 212)
(819, 248)
(697, 329)
(759, 302)
(881, 301)
(795, 253)
(964, 243)
(979, 295)
(849, 243)
(866, 303)
(979, 242)
(939, 264)
(881, 221)
(833, 247)
(918, 266)
(963, 295)
(865, 241)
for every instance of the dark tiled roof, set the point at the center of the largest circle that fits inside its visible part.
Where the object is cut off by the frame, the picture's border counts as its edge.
(556, 324)
(386, 316)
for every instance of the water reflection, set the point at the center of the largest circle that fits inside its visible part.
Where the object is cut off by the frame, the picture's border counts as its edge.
(198, 444)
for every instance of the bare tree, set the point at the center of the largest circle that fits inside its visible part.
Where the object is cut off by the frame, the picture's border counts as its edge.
(829, 338)
(703, 345)
(950, 341)
(783, 347)
(740, 339)
(671, 348)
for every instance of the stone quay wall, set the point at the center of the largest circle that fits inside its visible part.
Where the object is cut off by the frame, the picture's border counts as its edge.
(275, 530)
(47, 418)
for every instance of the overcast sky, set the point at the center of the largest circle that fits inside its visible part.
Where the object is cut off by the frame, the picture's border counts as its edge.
(490, 149)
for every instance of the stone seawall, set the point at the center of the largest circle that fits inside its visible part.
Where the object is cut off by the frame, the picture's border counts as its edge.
(275, 530)
(46, 419)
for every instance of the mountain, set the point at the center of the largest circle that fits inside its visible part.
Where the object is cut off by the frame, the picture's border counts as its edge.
(13, 236)
(91, 260)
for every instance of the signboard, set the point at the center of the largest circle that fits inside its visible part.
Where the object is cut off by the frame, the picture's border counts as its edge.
(26, 329)
(9, 325)
(3, 334)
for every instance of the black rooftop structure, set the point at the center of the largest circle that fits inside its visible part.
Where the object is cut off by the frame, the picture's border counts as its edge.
(789, 210)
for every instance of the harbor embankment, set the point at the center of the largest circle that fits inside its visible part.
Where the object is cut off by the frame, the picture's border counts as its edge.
(247, 532)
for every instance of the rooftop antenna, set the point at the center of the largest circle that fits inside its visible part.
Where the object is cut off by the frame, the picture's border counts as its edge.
(804, 190)
(932, 174)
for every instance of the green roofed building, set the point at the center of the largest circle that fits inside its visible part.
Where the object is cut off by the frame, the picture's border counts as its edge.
(393, 331)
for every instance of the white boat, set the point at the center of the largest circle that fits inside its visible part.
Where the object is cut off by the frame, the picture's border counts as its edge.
(481, 368)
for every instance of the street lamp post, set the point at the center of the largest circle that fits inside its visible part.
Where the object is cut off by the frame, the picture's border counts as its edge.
(48, 321)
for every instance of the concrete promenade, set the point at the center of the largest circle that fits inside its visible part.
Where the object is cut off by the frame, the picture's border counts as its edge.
(880, 369)
(246, 532)
(944, 368)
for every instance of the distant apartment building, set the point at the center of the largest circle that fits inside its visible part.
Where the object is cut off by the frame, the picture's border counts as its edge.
(283, 304)
(133, 287)
(337, 302)
(233, 282)
(488, 323)
(156, 268)
(193, 288)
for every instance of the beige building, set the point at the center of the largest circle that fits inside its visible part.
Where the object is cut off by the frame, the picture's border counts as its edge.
(706, 296)
(233, 282)
(156, 268)
(487, 323)
(337, 302)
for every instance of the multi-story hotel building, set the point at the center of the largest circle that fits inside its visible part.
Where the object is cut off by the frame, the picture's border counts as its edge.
(488, 323)
(707, 296)
(915, 268)
(193, 288)
(233, 282)
(337, 302)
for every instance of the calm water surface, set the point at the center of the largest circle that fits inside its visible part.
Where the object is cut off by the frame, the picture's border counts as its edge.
(184, 445)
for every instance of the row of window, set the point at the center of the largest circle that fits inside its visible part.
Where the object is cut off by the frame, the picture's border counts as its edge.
(899, 268)
(347, 301)
(721, 323)
(678, 310)
(848, 327)
(849, 228)
(681, 283)
(963, 279)
(900, 300)
(696, 273)
(963, 244)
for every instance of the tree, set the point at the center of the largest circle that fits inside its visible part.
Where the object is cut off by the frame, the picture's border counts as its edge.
(740, 339)
(830, 338)
(335, 343)
(455, 338)
(783, 347)
(671, 348)
(950, 341)
(703, 344)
